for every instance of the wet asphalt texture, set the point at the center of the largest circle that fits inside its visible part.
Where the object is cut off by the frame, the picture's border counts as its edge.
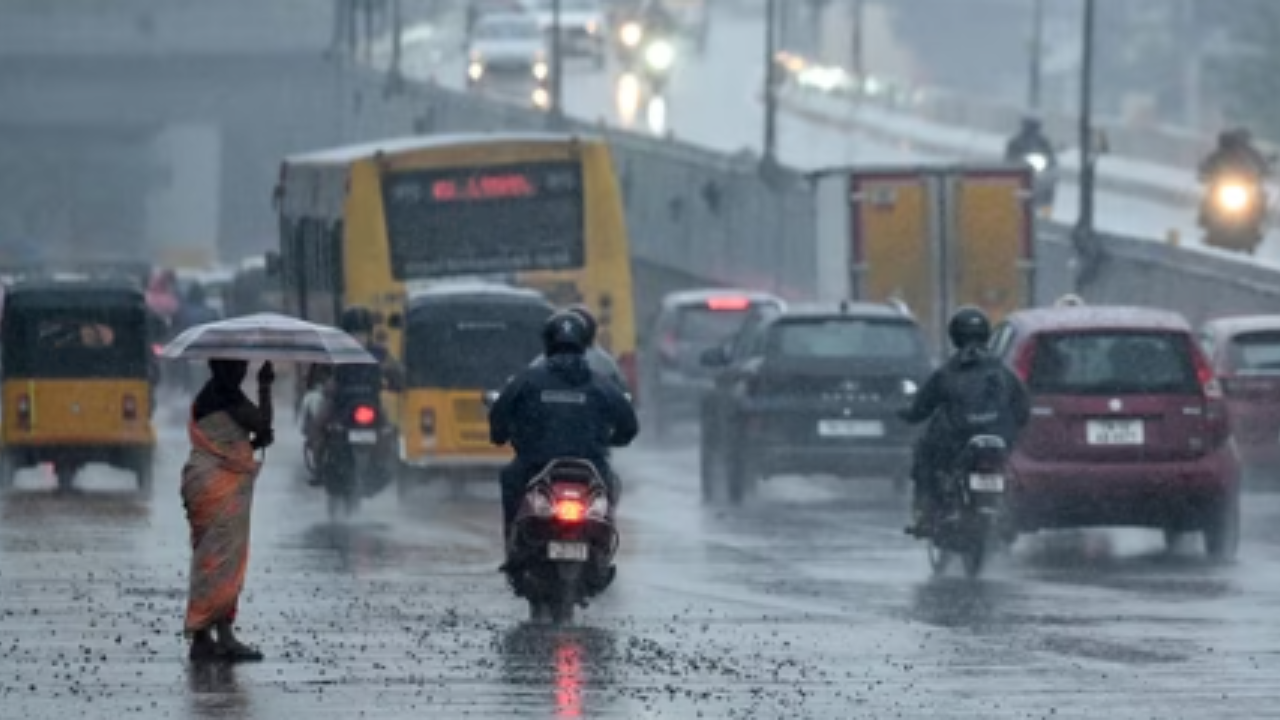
(807, 602)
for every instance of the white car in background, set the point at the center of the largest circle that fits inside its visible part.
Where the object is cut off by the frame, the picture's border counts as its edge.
(583, 28)
(508, 52)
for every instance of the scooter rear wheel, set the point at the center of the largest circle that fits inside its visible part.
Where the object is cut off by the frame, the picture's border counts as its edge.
(939, 558)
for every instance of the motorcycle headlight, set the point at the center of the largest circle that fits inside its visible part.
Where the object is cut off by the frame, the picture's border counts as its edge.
(1038, 162)
(1233, 196)
(475, 70)
(631, 34)
(910, 388)
(660, 55)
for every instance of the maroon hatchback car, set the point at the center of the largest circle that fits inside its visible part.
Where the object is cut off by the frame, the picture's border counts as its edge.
(1128, 426)
(1245, 352)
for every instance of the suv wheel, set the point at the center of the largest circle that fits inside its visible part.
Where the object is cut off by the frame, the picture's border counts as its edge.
(740, 473)
(1222, 532)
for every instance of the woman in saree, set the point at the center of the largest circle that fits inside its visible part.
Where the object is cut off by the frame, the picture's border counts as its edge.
(217, 490)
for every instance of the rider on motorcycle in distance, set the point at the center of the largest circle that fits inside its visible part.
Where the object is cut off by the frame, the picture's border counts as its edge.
(1235, 153)
(355, 383)
(972, 394)
(598, 359)
(559, 409)
(1030, 140)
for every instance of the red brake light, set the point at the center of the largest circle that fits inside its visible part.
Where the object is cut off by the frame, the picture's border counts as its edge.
(729, 303)
(570, 511)
(364, 415)
(1025, 361)
(1205, 376)
(129, 408)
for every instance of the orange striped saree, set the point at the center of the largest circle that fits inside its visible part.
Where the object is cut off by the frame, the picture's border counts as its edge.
(217, 490)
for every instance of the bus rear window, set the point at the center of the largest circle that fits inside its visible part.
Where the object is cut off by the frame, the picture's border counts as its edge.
(496, 219)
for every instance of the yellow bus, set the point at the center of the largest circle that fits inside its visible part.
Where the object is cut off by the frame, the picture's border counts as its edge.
(541, 211)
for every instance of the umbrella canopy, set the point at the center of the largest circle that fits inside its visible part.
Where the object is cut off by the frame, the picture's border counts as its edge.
(268, 336)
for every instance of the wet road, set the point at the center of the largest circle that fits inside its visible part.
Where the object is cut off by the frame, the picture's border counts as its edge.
(806, 603)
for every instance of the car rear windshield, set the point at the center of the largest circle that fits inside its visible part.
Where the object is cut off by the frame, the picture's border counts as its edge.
(702, 324)
(839, 338)
(1255, 352)
(465, 354)
(1113, 363)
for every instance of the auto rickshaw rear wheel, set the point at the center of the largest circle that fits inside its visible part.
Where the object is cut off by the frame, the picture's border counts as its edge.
(66, 475)
(144, 470)
(8, 469)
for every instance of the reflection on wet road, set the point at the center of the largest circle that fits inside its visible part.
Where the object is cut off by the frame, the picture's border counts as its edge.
(807, 602)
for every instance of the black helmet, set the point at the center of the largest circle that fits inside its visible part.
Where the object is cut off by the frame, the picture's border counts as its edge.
(565, 333)
(969, 326)
(592, 326)
(357, 320)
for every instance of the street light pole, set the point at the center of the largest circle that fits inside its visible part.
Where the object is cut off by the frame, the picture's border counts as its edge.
(1037, 56)
(1083, 237)
(557, 64)
(770, 83)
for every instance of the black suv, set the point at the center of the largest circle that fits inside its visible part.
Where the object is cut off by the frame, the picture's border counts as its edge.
(813, 390)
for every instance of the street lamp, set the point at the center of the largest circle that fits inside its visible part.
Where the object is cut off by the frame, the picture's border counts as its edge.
(770, 153)
(1037, 55)
(1083, 238)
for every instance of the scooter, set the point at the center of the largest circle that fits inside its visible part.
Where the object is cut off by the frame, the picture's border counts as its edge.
(968, 524)
(353, 463)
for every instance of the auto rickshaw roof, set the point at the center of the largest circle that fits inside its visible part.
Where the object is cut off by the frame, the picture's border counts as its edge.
(52, 294)
(470, 293)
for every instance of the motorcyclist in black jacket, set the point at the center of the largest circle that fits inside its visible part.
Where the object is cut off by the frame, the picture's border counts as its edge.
(557, 410)
(1030, 140)
(598, 359)
(972, 394)
(1235, 153)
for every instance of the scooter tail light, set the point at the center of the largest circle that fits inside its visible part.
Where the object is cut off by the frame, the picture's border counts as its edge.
(364, 415)
(569, 510)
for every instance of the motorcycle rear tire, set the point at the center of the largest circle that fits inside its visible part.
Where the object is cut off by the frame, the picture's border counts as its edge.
(975, 559)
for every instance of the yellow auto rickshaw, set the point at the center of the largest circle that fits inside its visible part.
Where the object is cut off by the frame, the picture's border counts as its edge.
(460, 340)
(76, 370)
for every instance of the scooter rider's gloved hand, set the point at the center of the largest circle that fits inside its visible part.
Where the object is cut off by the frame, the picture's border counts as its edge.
(266, 374)
(264, 439)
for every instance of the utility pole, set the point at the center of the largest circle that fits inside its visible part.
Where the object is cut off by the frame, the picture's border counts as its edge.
(1034, 91)
(1083, 237)
(557, 64)
(770, 154)
(859, 38)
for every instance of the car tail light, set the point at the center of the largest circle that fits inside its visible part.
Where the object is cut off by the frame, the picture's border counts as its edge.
(1025, 361)
(570, 510)
(364, 415)
(129, 408)
(24, 412)
(630, 372)
(1205, 376)
(729, 303)
(427, 422)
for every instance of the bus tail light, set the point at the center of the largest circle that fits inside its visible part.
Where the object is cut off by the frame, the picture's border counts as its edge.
(129, 408)
(24, 412)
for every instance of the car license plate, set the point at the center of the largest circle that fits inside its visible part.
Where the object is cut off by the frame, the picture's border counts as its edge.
(1116, 432)
(986, 483)
(851, 428)
(567, 551)
(362, 437)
